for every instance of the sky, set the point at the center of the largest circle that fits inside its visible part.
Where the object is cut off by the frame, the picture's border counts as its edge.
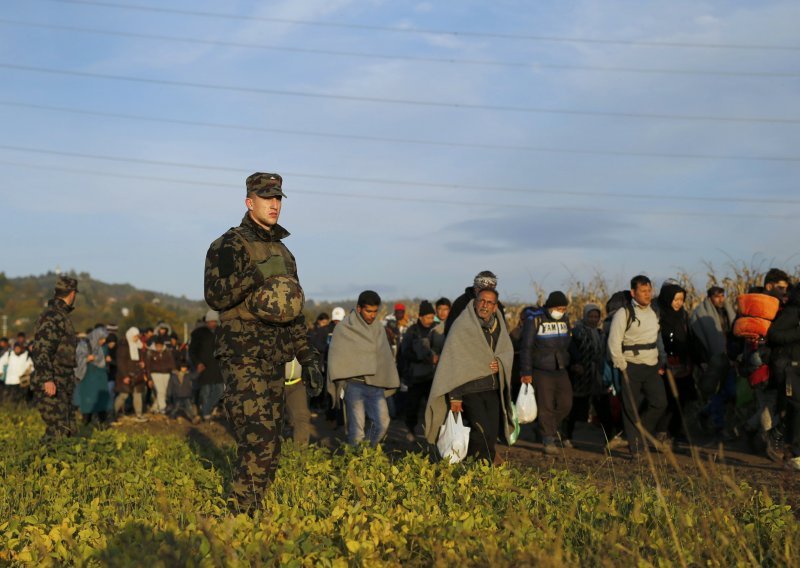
(419, 142)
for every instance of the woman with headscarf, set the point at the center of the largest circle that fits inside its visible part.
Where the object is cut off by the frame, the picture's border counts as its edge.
(131, 374)
(674, 322)
(92, 372)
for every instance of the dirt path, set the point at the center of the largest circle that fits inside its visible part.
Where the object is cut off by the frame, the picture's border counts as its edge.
(729, 463)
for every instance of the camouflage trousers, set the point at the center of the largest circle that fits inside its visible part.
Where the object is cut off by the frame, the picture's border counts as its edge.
(56, 411)
(254, 404)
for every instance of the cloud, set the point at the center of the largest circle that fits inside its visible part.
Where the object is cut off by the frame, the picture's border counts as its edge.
(553, 231)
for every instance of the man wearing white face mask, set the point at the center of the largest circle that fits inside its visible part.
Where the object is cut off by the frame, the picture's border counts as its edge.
(544, 356)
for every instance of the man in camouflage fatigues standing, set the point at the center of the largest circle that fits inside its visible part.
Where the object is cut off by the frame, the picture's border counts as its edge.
(53, 353)
(251, 279)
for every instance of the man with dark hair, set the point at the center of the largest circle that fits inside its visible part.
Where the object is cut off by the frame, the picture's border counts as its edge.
(53, 352)
(484, 280)
(784, 340)
(776, 283)
(417, 364)
(22, 339)
(361, 363)
(474, 376)
(251, 279)
(636, 349)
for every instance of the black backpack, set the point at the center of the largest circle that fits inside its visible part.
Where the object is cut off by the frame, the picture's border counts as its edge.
(621, 300)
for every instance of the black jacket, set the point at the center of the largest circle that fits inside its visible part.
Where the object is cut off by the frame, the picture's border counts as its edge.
(545, 342)
(201, 350)
(415, 360)
(784, 333)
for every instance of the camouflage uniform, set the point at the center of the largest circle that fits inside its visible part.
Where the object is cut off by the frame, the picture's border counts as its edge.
(53, 353)
(252, 351)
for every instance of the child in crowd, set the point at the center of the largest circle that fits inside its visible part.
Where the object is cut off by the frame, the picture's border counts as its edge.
(181, 389)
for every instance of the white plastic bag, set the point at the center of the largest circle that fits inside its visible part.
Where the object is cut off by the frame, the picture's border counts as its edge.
(526, 404)
(453, 438)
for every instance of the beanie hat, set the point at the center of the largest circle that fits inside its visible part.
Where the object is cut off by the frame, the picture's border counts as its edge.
(589, 308)
(212, 315)
(426, 308)
(555, 299)
(485, 279)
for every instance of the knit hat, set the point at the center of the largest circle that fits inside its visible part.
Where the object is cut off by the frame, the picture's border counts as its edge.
(484, 280)
(589, 308)
(556, 299)
(399, 307)
(212, 315)
(426, 308)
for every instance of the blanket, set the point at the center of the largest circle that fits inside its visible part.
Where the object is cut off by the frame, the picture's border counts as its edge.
(361, 350)
(466, 356)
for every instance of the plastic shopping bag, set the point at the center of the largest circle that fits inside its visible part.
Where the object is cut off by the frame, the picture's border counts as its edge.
(526, 404)
(453, 438)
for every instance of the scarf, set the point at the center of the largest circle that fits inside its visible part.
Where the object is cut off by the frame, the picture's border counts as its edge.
(466, 357)
(133, 346)
(90, 346)
(359, 350)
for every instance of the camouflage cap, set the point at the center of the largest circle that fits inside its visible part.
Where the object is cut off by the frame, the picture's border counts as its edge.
(279, 299)
(264, 185)
(65, 284)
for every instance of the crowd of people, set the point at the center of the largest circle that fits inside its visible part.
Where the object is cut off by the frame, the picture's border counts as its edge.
(646, 372)
(636, 375)
(147, 374)
(643, 368)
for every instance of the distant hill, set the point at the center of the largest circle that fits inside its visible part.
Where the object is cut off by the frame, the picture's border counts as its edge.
(22, 300)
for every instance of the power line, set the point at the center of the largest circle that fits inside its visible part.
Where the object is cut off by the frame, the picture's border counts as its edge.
(417, 59)
(422, 31)
(411, 141)
(482, 204)
(407, 102)
(397, 182)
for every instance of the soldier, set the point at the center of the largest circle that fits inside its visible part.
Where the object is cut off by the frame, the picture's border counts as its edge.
(251, 279)
(53, 351)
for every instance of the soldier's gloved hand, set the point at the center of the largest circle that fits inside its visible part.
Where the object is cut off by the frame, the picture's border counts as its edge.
(314, 379)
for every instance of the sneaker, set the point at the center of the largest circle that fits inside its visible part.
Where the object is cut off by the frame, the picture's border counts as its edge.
(141, 419)
(551, 450)
(794, 463)
(616, 442)
(774, 453)
(410, 437)
(567, 443)
(662, 443)
(196, 420)
(206, 418)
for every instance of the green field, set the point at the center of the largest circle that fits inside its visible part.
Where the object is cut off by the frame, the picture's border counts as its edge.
(109, 498)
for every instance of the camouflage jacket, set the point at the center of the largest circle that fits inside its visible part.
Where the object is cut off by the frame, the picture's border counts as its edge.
(54, 344)
(230, 276)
